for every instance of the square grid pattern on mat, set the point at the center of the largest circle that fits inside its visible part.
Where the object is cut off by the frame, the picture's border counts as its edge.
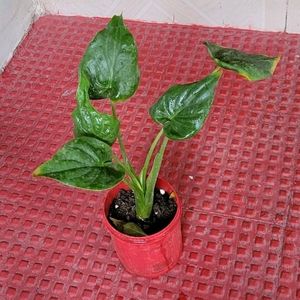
(239, 178)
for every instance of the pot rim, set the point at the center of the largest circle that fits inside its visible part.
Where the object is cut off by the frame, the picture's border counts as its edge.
(153, 237)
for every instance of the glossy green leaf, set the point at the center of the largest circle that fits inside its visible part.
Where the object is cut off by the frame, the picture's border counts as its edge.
(110, 63)
(251, 66)
(129, 228)
(183, 109)
(89, 122)
(83, 162)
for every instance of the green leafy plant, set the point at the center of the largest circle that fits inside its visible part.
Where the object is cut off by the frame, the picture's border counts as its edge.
(109, 70)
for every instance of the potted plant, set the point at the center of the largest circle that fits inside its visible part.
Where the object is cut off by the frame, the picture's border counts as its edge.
(141, 212)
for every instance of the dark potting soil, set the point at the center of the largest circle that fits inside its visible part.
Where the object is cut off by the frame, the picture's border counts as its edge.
(164, 210)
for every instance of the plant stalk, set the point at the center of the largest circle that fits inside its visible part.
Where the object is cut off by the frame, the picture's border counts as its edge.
(127, 165)
(143, 212)
(122, 147)
(144, 170)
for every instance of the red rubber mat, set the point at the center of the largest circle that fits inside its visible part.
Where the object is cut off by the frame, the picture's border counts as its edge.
(239, 178)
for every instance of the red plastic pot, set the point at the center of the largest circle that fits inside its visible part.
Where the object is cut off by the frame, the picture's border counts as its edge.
(152, 255)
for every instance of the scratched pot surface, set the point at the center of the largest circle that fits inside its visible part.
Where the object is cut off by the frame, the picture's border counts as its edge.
(239, 178)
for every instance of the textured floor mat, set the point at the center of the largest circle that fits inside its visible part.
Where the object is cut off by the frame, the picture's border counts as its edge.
(239, 178)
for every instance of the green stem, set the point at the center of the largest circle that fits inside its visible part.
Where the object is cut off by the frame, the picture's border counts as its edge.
(143, 212)
(217, 69)
(127, 165)
(144, 170)
(122, 147)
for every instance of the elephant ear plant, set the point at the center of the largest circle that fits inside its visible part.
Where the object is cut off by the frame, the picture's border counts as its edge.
(109, 70)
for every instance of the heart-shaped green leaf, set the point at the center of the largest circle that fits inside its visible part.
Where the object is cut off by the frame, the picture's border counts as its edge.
(89, 122)
(251, 66)
(83, 162)
(183, 109)
(110, 63)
